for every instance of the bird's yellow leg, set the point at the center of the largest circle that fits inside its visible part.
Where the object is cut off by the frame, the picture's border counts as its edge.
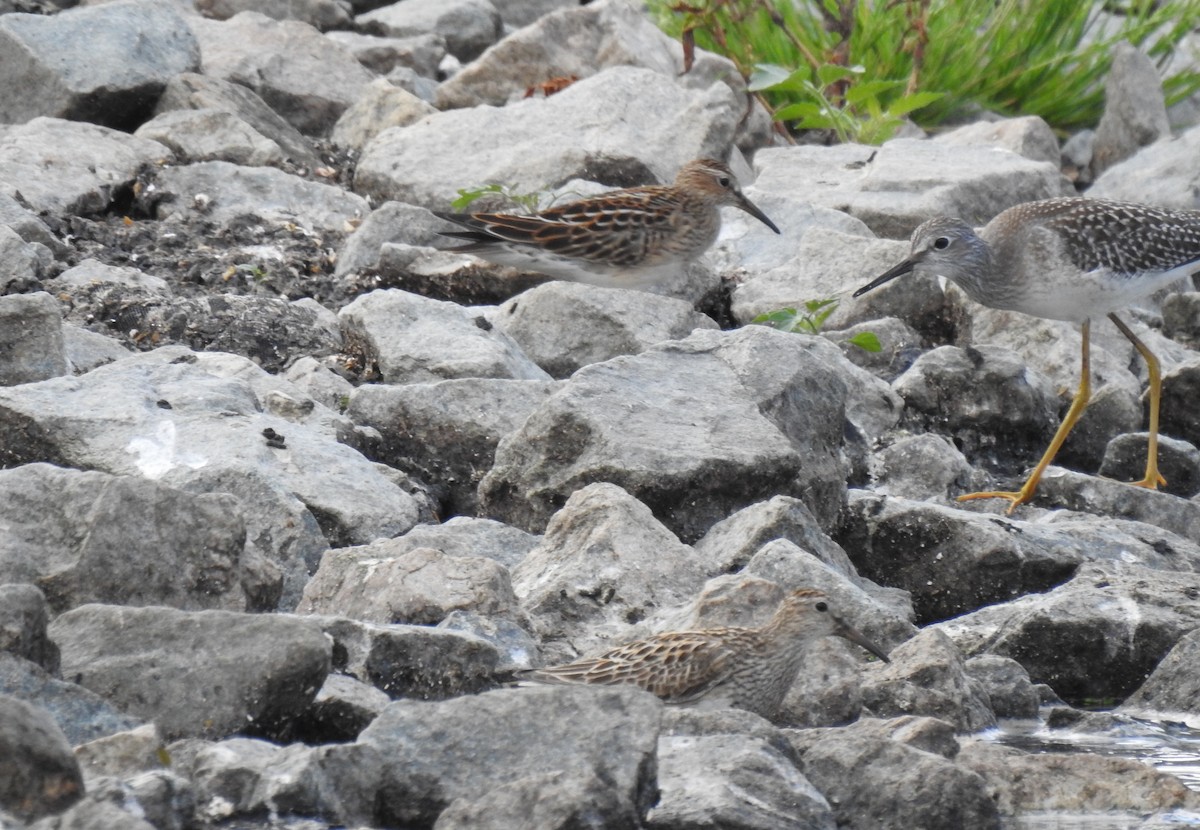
(1078, 404)
(1153, 478)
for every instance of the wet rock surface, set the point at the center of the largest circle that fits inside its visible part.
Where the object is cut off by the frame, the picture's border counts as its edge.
(290, 495)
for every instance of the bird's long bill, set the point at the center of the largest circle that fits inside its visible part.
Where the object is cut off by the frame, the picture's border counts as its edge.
(854, 636)
(748, 206)
(889, 275)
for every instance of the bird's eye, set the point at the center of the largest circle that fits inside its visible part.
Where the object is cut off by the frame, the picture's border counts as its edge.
(723, 181)
(820, 606)
(941, 243)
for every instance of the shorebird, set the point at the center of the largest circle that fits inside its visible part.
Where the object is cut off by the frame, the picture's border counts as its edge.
(631, 238)
(751, 668)
(1063, 259)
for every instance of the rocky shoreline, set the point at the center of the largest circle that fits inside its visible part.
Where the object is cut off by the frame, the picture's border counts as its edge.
(288, 493)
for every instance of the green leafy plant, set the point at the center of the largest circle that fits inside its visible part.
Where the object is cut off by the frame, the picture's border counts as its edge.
(811, 320)
(866, 59)
(526, 202)
(861, 116)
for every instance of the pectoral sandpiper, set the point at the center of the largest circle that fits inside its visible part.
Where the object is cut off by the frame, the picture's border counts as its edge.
(751, 668)
(1063, 259)
(631, 238)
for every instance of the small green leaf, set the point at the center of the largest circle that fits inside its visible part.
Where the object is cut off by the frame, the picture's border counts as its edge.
(911, 103)
(468, 195)
(780, 318)
(804, 109)
(869, 90)
(768, 75)
(831, 73)
(867, 341)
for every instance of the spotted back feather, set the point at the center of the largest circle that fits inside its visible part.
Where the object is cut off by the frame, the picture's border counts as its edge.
(1122, 237)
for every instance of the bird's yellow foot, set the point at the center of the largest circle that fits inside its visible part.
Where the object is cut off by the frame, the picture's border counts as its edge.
(1152, 481)
(1016, 498)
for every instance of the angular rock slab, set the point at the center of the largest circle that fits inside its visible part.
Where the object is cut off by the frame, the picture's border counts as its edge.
(420, 586)
(950, 560)
(32, 345)
(564, 326)
(412, 661)
(873, 782)
(1123, 617)
(1074, 783)
(928, 677)
(469, 26)
(103, 64)
(91, 537)
(695, 429)
(545, 801)
(725, 781)
(601, 135)
(244, 777)
(603, 565)
(1173, 690)
(65, 167)
(40, 775)
(222, 193)
(302, 75)
(82, 715)
(202, 674)
(191, 91)
(435, 753)
(197, 423)
(578, 42)
(412, 339)
(898, 186)
(1165, 173)
(445, 433)
(23, 619)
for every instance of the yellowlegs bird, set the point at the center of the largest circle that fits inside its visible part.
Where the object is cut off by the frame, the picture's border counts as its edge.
(1063, 259)
(751, 668)
(624, 239)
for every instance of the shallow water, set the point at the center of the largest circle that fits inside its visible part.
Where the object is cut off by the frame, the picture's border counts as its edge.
(1169, 747)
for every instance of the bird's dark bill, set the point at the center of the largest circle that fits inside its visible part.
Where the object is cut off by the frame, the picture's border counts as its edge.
(748, 206)
(899, 271)
(857, 638)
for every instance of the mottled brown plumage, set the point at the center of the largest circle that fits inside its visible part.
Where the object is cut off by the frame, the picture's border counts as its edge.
(751, 668)
(1063, 259)
(625, 238)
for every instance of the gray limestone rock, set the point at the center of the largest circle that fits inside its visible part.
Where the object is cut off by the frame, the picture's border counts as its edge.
(68, 167)
(564, 326)
(412, 339)
(898, 186)
(305, 77)
(578, 43)
(1135, 110)
(445, 433)
(105, 64)
(412, 661)
(1126, 616)
(204, 673)
(427, 163)
(872, 780)
(928, 676)
(32, 346)
(649, 423)
(41, 776)
(494, 739)
(725, 781)
(469, 26)
(189, 90)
